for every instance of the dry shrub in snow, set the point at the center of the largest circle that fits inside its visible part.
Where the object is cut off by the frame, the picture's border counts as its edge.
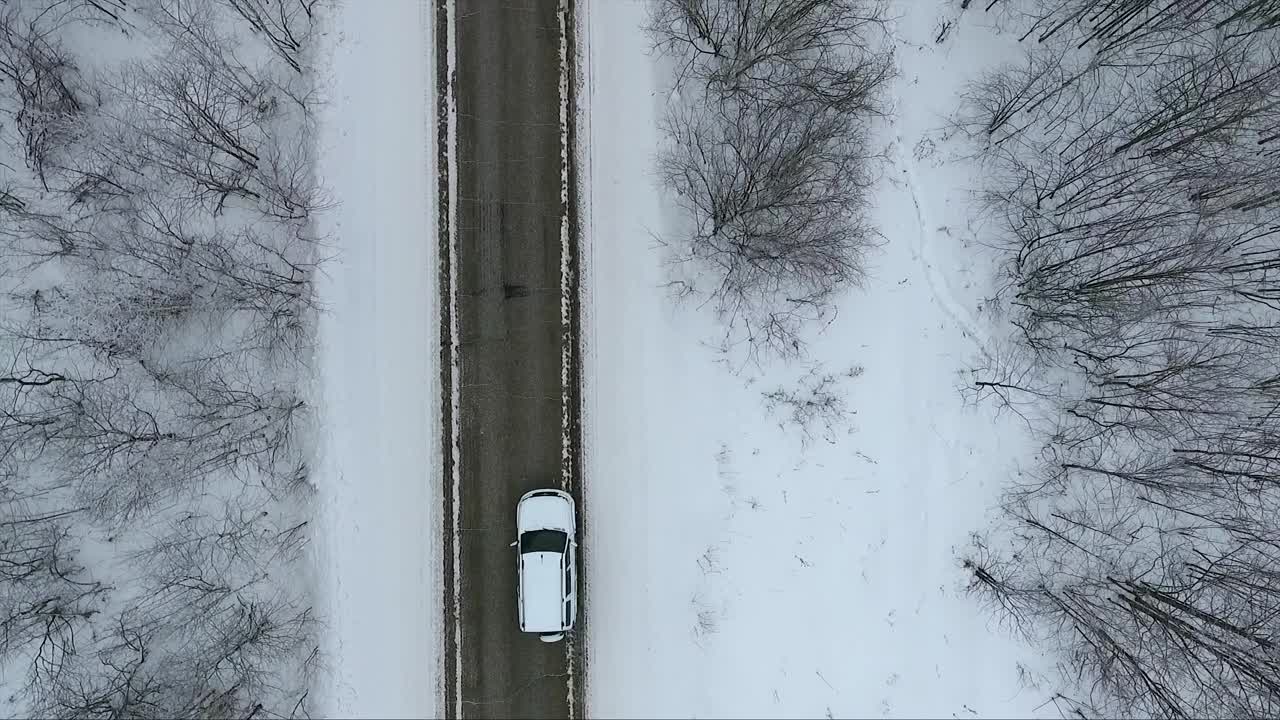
(815, 404)
(47, 86)
(766, 154)
(157, 257)
(1132, 165)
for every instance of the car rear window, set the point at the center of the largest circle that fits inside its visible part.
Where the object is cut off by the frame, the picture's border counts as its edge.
(543, 541)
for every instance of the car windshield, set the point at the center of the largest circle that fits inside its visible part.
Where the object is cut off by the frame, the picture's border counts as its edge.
(543, 541)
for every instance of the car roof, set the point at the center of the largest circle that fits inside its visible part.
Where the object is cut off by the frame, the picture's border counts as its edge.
(542, 591)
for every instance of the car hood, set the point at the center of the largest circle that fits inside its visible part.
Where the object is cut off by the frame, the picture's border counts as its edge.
(545, 512)
(542, 576)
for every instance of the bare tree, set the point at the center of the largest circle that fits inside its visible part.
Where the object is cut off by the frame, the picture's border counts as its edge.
(159, 259)
(821, 50)
(284, 23)
(776, 197)
(47, 598)
(1128, 162)
(766, 152)
(197, 120)
(47, 86)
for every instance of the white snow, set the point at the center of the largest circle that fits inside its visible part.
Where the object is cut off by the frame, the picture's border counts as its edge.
(731, 571)
(566, 300)
(455, 376)
(380, 474)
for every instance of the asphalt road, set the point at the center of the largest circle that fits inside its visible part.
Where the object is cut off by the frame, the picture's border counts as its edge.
(507, 295)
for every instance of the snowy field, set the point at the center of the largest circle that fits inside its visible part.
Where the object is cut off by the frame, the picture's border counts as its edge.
(380, 474)
(734, 568)
(779, 539)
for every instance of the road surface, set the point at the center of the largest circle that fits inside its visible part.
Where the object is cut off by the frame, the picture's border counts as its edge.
(509, 332)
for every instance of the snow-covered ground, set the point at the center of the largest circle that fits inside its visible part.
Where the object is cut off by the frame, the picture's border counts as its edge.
(379, 475)
(732, 572)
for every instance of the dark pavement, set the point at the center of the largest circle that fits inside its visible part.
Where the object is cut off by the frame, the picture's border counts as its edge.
(510, 333)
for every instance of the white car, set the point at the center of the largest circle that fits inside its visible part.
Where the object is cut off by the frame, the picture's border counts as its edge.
(546, 563)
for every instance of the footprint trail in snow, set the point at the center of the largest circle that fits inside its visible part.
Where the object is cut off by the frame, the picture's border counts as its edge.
(925, 238)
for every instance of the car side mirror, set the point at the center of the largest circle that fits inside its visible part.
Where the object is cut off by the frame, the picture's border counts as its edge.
(514, 543)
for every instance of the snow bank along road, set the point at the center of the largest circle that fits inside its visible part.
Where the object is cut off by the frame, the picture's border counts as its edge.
(502, 95)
